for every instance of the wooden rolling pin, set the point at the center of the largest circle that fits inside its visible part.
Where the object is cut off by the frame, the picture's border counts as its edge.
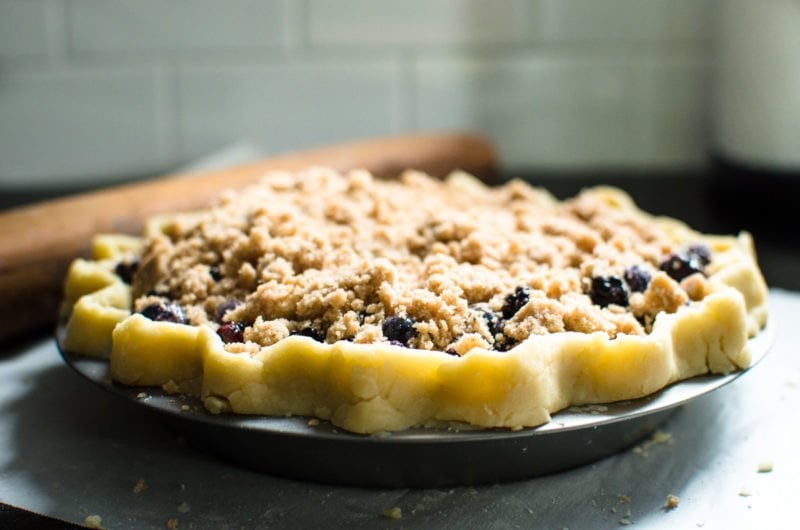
(38, 242)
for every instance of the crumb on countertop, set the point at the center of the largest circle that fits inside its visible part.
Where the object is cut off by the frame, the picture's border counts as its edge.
(393, 513)
(93, 521)
(172, 524)
(745, 491)
(659, 437)
(140, 486)
(672, 502)
(765, 466)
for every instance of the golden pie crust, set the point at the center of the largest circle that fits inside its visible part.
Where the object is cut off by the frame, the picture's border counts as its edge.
(342, 254)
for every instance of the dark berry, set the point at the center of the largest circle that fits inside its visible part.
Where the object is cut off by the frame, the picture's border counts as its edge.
(126, 269)
(637, 278)
(504, 343)
(515, 301)
(493, 322)
(608, 290)
(165, 312)
(699, 253)
(215, 273)
(231, 332)
(679, 266)
(312, 332)
(400, 329)
(223, 308)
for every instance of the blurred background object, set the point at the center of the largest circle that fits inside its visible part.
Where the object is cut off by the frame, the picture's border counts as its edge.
(97, 91)
(756, 85)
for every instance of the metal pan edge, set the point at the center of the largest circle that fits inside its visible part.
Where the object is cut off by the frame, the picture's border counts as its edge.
(292, 447)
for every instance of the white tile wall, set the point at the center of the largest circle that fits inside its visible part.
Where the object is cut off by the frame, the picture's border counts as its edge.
(197, 26)
(104, 89)
(423, 23)
(79, 123)
(559, 112)
(285, 105)
(23, 28)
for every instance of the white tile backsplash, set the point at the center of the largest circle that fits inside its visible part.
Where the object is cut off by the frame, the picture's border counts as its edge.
(78, 123)
(285, 106)
(559, 113)
(673, 103)
(23, 28)
(116, 26)
(95, 89)
(422, 23)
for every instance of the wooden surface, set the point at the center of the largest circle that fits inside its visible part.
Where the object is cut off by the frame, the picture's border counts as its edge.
(38, 242)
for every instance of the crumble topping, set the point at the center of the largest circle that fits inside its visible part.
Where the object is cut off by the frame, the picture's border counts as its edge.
(439, 265)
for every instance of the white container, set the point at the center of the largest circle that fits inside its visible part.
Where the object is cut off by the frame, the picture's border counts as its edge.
(755, 90)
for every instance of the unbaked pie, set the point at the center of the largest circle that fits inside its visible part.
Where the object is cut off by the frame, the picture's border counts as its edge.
(383, 305)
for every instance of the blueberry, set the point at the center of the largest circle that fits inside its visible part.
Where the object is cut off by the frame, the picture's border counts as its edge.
(312, 332)
(165, 312)
(608, 290)
(493, 321)
(679, 266)
(699, 253)
(637, 278)
(515, 301)
(504, 343)
(126, 269)
(223, 308)
(400, 329)
(215, 273)
(231, 332)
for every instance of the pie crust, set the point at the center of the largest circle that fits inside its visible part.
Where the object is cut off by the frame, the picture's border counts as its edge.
(552, 343)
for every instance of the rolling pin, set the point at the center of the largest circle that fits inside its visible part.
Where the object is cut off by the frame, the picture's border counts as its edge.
(38, 242)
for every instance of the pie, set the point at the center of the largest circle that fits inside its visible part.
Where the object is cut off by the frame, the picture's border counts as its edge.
(384, 305)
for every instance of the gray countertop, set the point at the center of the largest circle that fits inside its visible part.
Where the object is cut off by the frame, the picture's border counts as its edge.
(70, 450)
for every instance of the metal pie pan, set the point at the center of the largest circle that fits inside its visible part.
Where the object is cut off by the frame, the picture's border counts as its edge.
(295, 447)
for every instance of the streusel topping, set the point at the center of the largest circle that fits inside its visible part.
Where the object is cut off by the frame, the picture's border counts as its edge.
(443, 265)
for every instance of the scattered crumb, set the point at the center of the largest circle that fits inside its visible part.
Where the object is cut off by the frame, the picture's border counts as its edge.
(625, 521)
(142, 395)
(700, 525)
(624, 499)
(171, 387)
(93, 521)
(184, 507)
(140, 486)
(745, 491)
(672, 502)
(613, 509)
(313, 422)
(659, 437)
(765, 467)
(172, 524)
(185, 408)
(393, 513)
